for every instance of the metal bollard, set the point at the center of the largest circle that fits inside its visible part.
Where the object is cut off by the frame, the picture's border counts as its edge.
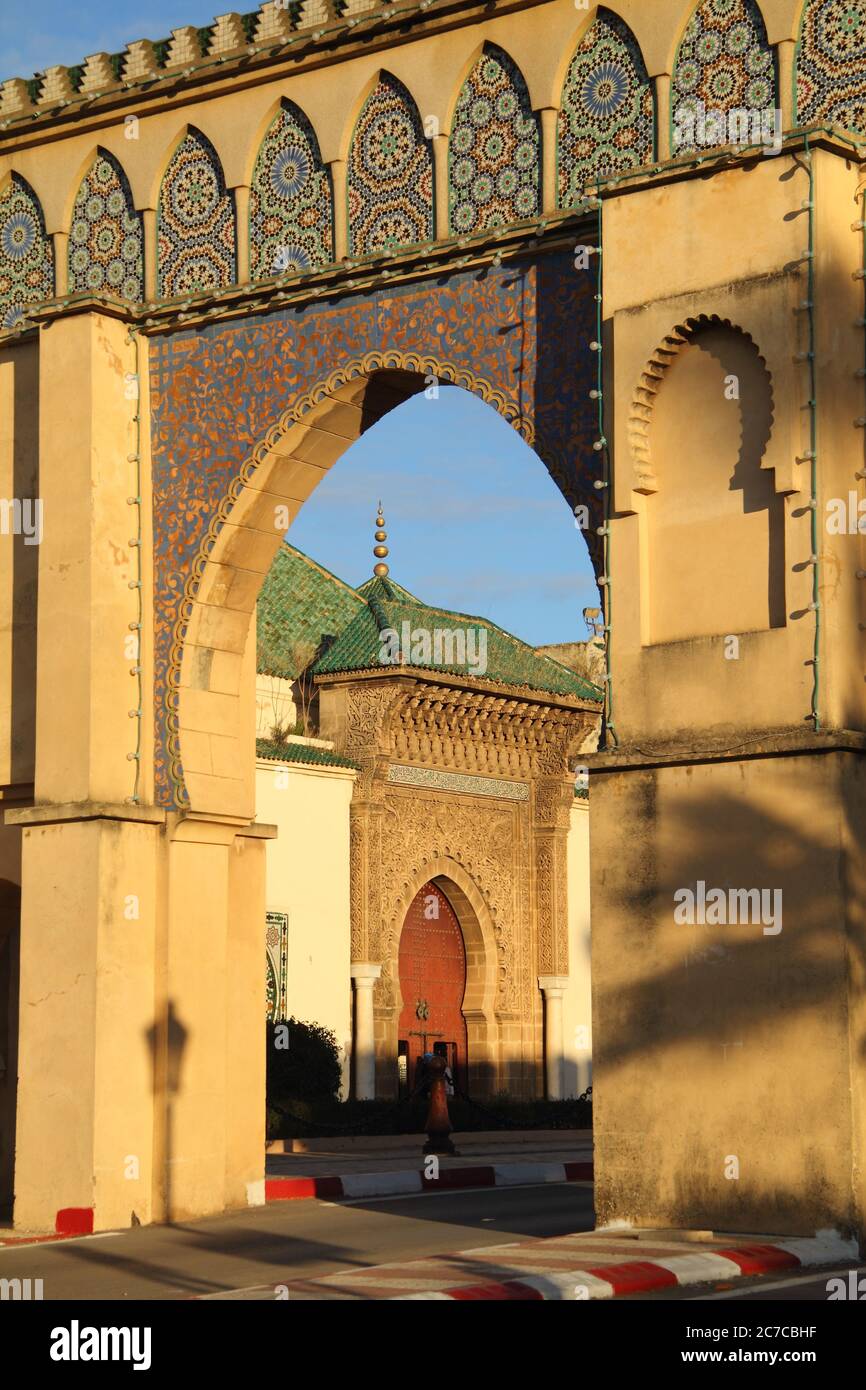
(438, 1124)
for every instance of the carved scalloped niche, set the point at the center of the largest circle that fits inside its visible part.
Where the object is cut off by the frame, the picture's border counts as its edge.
(700, 427)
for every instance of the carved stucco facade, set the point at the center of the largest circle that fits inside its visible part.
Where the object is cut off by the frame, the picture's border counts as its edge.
(469, 785)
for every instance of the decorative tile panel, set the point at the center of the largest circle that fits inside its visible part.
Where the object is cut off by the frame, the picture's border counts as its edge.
(196, 222)
(26, 252)
(495, 148)
(390, 173)
(458, 782)
(606, 117)
(724, 62)
(291, 208)
(831, 64)
(106, 239)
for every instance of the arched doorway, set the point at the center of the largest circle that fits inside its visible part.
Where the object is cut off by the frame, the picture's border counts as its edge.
(432, 968)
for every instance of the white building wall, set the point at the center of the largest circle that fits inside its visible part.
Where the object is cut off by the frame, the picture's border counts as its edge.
(577, 1000)
(275, 704)
(308, 878)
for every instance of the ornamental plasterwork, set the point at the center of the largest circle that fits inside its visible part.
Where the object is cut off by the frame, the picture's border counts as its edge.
(367, 707)
(553, 801)
(484, 838)
(485, 782)
(479, 733)
(458, 782)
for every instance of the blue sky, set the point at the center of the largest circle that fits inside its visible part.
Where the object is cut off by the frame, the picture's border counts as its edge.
(35, 37)
(475, 523)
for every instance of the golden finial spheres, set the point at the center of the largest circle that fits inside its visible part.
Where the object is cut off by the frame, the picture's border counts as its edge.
(379, 550)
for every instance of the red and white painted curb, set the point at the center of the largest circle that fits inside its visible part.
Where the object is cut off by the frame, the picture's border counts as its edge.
(642, 1276)
(69, 1223)
(583, 1266)
(349, 1186)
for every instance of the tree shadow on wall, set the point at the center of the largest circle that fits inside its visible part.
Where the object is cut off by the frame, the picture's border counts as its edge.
(732, 1040)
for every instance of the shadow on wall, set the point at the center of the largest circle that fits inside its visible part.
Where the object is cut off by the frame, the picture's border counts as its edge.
(166, 1042)
(10, 935)
(729, 1042)
(21, 690)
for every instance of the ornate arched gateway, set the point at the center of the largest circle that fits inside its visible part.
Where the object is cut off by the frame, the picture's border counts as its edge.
(432, 983)
(170, 443)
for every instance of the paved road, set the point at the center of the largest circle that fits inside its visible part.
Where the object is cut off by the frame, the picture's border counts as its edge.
(295, 1240)
(808, 1286)
(323, 1165)
(292, 1240)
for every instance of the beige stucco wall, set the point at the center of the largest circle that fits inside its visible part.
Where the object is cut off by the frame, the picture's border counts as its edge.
(729, 1076)
(577, 1000)
(721, 1042)
(678, 684)
(19, 478)
(308, 878)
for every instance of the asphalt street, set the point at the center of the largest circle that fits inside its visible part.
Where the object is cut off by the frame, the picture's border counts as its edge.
(291, 1240)
(308, 1239)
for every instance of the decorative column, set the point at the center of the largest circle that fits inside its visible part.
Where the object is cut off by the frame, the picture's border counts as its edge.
(61, 263)
(159, 1095)
(553, 988)
(151, 252)
(364, 975)
(549, 117)
(785, 67)
(242, 231)
(338, 192)
(662, 85)
(440, 177)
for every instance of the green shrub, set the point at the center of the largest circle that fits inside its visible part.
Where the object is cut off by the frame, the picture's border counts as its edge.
(321, 1118)
(307, 1070)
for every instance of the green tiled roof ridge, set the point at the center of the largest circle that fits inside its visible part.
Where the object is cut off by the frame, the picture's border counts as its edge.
(385, 586)
(355, 618)
(322, 569)
(352, 652)
(300, 603)
(301, 753)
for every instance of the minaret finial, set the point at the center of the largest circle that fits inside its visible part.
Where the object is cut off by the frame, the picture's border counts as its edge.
(380, 550)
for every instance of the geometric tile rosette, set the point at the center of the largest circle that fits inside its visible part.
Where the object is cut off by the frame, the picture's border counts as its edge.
(106, 239)
(724, 61)
(606, 117)
(195, 222)
(494, 156)
(831, 64)
(26, 252)
(218, 392)
(291, 208)
(390, 173)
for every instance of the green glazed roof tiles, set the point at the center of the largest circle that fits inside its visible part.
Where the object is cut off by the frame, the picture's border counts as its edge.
(301, 604)
(300, 753)
(508, 660)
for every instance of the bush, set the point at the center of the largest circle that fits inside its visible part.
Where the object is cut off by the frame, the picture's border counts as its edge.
(309, 1069)
(321, 1118)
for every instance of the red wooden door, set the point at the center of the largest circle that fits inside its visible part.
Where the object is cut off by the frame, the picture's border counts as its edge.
(432, 965)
